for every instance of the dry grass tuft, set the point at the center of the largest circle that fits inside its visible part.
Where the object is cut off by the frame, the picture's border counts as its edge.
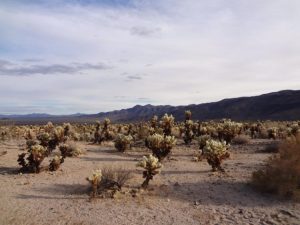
(114, 177)
(108, 181)
(281, 174)
(241, 140)
(272, 148)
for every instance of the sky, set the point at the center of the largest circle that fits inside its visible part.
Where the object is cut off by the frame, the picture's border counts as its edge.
(90, 56)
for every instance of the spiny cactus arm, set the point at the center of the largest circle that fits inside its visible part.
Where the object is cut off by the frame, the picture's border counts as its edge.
(151, 165)
(95, 179)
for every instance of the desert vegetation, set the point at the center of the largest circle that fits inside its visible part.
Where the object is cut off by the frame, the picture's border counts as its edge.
(281, 173)
(157, 146)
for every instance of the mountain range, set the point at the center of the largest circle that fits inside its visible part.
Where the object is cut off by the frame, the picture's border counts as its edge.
(282, 105)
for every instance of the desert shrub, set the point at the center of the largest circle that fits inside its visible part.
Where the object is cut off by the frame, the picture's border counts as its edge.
(152, 167)
(123, 142)
(108, 181)
(70, 149)
(263, 134)
(215, 152)
(271, 148)
(160, 145)
(241, 140)
(281, 174)
(114, 178)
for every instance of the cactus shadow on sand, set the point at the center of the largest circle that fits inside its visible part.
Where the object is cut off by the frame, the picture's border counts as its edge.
(59, 191)
(9, 170)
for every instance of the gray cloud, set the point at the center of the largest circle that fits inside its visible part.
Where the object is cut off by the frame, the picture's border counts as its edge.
(224, 50)
(133, 77)
(31, 60)
(119, 96)
(12, 69)
(144, 99)
(144, 31)
(4, 63)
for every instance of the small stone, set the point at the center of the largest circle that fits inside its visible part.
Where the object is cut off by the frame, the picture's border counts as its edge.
(287, 213)
(196, 203)
(176, 184)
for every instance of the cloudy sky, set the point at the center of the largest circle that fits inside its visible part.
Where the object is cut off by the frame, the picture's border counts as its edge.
(69, 56)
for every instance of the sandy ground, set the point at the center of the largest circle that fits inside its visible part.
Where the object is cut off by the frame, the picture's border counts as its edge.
(185, 192)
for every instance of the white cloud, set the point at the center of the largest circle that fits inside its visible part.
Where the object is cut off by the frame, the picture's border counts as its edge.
(199, 51)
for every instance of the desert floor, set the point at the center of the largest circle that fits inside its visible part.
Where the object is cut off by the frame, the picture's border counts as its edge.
(185, 192)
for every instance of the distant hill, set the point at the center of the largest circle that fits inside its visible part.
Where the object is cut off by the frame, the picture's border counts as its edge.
(282, 105)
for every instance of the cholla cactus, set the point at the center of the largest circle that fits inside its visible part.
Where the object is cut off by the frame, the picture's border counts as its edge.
(272, 133)
(30, 134)
(95, 180)
(49, 127)
(202, 141)
(44, 138)
(294, 129)
(41, 145)
(152, 167)
(97, 135)
(167, 123)
(154, 122)
(256, 129)
(188, 115)
(215, 152)
(32, 163)
(4, 134)
(67, 130)
(202, 130)
(59, 135)
(188, 131)
(105, 134)
(196, 128)
(123, 142)
(160, 145)
(55, 163)
(30, 137)
(228, 130)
